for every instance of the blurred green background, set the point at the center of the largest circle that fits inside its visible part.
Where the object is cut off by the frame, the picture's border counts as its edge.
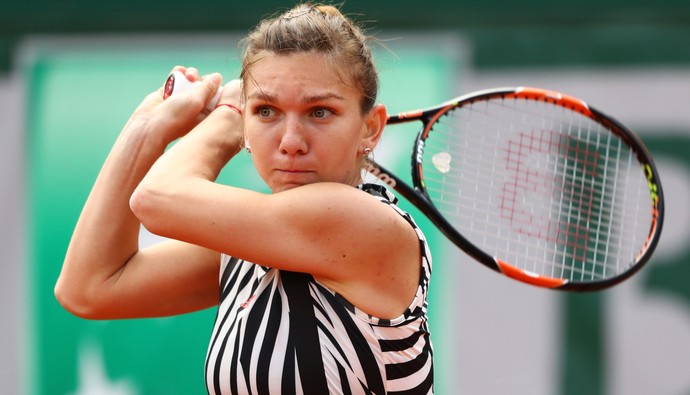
(506, 33)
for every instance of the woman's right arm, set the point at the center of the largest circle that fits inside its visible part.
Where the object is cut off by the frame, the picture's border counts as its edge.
(105, 275)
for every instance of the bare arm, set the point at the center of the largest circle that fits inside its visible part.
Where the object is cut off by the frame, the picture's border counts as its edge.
(104, 274)
(341, 235)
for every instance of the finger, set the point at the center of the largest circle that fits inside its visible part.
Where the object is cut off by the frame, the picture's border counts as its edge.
(192, 74)
(200, 95)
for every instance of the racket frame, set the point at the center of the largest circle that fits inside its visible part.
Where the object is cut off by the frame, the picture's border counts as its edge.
(419, 197)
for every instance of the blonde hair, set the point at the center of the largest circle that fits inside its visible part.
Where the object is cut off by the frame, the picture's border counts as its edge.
(322, 29)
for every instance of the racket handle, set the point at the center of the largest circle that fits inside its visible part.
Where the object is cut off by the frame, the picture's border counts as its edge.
(177, 82)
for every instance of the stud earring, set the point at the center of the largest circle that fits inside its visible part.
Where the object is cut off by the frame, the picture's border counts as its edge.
(366, 150)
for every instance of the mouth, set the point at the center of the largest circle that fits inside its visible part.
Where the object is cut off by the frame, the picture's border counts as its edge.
(293, 166)
(290, 174)
(293, 171)
(289, 178)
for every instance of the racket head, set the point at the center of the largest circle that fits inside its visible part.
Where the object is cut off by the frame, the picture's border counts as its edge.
(539, 186)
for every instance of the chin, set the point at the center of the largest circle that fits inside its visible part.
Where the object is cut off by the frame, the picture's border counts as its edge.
(284, 187)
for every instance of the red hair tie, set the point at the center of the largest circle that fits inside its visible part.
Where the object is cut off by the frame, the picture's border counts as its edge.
(230, 106)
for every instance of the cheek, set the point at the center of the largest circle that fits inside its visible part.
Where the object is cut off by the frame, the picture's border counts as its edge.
(256, 135)
(343, 156)
(258, 146)
(248, 131)
(262, 167)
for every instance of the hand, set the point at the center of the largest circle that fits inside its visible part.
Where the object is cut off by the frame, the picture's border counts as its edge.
(232, 94)
(231, 97)
(167, 120)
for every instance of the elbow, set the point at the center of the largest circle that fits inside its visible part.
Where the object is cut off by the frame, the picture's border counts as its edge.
(70, 301)
(144, 204)
(76, 299)
(138, 203)
(159, 207)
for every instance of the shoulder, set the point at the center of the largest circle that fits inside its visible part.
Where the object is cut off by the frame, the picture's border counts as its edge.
(385, 256)
(336, 202)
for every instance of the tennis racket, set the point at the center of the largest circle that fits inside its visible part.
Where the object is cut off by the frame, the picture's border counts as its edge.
(536, 185)
(177, 82)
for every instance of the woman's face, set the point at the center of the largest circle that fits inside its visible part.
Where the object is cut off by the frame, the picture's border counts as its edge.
(303, 123)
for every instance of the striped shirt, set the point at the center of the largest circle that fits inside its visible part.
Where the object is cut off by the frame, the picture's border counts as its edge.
(279, 332)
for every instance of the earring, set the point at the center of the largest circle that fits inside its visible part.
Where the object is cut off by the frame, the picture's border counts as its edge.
(248, 149)
(366, 150)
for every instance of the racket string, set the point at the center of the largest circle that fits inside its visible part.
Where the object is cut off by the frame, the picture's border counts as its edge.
(538, 185)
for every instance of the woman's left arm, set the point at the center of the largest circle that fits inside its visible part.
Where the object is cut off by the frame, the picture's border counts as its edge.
(187, 169)
(341, 235)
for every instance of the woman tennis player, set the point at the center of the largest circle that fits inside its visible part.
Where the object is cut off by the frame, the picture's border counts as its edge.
(321, 286)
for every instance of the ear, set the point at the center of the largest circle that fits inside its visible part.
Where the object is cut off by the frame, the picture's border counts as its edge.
(375, 122)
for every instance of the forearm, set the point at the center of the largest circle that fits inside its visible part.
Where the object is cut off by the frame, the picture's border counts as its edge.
(106, 224)
(169, 187)
(106, 234)
(203, 152)
(104, 272)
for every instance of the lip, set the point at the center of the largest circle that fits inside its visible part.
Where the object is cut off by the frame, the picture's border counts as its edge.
(293, 171)
(293, 174)
(289, 178)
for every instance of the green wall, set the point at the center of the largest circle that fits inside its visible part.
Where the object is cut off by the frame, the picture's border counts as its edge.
(507, 32)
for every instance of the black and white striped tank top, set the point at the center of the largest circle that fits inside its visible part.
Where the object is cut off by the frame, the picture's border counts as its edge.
(279, 332)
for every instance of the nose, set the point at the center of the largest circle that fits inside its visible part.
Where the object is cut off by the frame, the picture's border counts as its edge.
(293, 139)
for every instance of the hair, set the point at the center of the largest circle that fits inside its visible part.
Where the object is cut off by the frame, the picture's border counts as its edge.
(322, 29)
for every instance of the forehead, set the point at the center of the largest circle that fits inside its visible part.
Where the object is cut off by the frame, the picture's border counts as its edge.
(286, 75)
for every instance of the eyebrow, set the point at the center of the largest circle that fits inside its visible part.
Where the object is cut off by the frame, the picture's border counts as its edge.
(261, 95)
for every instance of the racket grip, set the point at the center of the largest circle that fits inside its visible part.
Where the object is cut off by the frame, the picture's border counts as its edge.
(177, 82)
